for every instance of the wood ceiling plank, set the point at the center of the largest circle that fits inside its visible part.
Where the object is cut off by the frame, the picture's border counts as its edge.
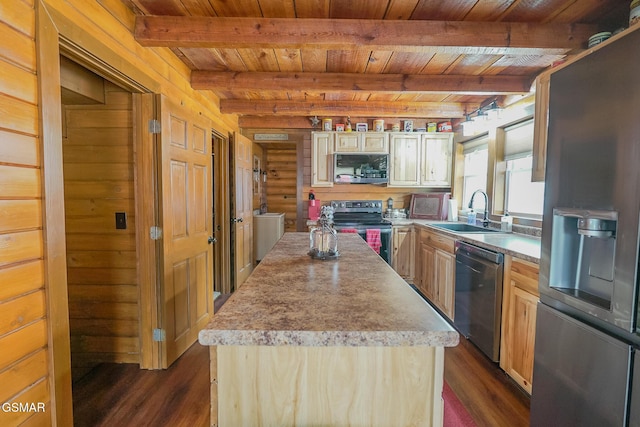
(312, 9)
(439, 63)
(378, 61)
(401, 9)
(449, 10)
(203, 59)
(472, 64)
(314, 60)
(259, 59)
(347, 61)
(230, 58)
(358, 9)
(354, 82)
(277, 9)
(488, 10)
(198, 7)
(236, 7)
(154, 7)
(289, 60)
(340, 107)
(407, 63)
(356, 34)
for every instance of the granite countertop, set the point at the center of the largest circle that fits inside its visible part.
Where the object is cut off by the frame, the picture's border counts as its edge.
(518, 245)
(291, 299)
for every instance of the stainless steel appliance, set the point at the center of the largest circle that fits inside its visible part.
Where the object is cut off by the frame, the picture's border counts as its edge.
(360, 216)
(361, 168)
(587, 322)
(478, 297)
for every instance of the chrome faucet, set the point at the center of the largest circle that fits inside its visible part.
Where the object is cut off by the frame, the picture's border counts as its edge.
(485, 219)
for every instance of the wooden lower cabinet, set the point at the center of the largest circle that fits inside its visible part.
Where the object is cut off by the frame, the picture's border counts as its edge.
(519, 309)
(435, 270)
(404, 252)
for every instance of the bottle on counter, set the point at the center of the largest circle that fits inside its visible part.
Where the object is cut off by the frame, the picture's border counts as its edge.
(506, 223)
(471, 217)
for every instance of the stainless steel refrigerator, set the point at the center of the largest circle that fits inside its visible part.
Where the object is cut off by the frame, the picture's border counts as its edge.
(587, 324)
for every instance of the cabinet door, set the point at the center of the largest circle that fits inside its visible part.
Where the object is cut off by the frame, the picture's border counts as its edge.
(375, 142)
(445, 264)
(437, 160)
(522, 332)
(540, 125)
(427, 271)
(322, 159)
(519, 309)
(405, 160)
(403, 258)
(347, 142)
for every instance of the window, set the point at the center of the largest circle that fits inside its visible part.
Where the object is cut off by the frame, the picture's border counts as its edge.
(476, 160)
(523, 198)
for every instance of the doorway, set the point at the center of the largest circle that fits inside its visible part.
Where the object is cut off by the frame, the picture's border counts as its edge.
(99, 200)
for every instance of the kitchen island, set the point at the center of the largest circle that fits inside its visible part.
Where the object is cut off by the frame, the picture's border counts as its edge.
(338, 342)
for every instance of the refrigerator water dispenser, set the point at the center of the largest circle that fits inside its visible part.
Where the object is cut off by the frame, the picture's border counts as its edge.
(583, 249)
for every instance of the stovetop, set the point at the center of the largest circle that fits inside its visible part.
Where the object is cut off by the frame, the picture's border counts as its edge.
(359, 213)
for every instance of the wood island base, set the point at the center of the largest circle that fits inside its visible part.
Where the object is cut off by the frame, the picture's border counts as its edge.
(326, 386)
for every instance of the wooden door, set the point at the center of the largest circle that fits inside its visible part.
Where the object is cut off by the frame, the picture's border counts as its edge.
(186, 206)
(437, 158)
(243, 220)
(427, 273)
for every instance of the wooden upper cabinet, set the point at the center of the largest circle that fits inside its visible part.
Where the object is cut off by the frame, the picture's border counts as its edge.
(540, 127)
(322, 159)
(421, 159)
(347, 142)
(375, 142)
(369, 142)
(437, 160)
(404, 160)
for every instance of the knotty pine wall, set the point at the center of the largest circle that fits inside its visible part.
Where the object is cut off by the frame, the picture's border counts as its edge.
(281, 186)
(104, 29)
(101, 260)
(23, 323)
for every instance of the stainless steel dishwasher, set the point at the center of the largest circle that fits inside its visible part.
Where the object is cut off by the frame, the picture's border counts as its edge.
(478, 297)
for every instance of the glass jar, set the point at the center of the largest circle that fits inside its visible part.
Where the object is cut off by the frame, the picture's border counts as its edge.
(323, 239)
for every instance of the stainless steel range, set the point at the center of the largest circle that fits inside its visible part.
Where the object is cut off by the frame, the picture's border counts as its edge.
(360, 216)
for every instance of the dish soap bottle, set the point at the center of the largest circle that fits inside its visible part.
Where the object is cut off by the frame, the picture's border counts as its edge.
(506, 223)
(471, 217)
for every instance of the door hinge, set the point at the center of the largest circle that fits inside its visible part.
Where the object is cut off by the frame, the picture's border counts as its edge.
(159, 335)
(155, 233)
(154, 126)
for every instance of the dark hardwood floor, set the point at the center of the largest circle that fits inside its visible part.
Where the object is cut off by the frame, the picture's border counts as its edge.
(490, 396)
(124, 395)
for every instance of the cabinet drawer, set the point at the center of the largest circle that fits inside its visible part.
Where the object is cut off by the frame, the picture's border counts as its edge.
(438, 241)
(524, 275)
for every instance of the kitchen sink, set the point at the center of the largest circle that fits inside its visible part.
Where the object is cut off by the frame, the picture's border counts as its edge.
(464, 228)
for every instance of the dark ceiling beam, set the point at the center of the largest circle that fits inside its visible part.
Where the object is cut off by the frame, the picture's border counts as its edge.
(433, 110)
(462, 37)
(353, 82)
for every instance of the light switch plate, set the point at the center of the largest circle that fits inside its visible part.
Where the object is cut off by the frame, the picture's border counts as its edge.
(121, 220)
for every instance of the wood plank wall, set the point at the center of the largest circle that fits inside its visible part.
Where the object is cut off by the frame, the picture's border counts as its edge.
(281, 186)
(23, 323)
(101, 260)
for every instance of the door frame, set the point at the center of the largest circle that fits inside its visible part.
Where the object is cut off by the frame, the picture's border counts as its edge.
(222, 212)
(55, 33)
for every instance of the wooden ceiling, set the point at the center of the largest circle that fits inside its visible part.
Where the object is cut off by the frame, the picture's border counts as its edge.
(369, 58)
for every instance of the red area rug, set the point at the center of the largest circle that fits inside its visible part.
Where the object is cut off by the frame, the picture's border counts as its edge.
(455, 414)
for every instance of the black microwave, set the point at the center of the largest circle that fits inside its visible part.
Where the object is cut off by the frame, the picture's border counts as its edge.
(361, 168)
